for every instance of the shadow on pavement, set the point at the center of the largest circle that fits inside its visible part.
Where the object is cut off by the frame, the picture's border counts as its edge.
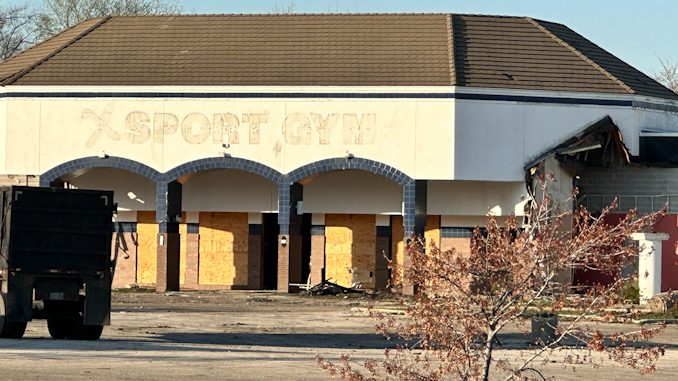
(308, 340)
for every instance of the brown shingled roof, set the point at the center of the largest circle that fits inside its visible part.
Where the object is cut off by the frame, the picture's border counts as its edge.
(24, 61)
(327, 50)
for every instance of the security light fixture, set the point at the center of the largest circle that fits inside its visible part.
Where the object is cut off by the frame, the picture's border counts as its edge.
(283, 241)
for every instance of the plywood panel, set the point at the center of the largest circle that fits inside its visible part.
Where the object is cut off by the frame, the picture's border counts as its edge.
(338, 249)
(223, 248)
(432, 231)
(365, 245)
(147, 251)
(397, 244)
(461, 245)
(350, 243)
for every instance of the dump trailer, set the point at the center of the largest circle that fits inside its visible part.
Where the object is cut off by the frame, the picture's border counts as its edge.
(55, 260)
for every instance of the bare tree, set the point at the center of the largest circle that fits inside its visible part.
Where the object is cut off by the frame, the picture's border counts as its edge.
(463, 301)
(60, 14)
(16, 28)
(667, 74)
(283, 10)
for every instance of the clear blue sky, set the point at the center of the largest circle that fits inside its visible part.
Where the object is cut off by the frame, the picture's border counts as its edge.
(637, 31)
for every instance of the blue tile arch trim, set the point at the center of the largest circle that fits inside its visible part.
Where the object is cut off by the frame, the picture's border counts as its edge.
(125, 227)
(97, 162)
(456, 232)
(192, 228)
(344, 163)
(215, 163)
(284, 206)
(367, 165)
(320, 230)
(161, 206)
(223, 163)
(409, 205)
(255, 229)
(283, 181)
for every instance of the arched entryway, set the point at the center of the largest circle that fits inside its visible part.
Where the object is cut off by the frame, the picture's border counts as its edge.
(228, 223)
(344, 215)
(135, 192)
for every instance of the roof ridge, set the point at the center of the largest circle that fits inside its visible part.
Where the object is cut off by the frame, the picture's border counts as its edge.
(450, 49)
(13, 78)
(580, 54)
(319, 14)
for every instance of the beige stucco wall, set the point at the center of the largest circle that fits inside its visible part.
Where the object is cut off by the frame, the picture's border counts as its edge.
(131, 191)
(467, 221)
(352, 191)
(281, 133)
(434, 140)
(469, 198)
(425, 137)
(23, 139)
(229, 190)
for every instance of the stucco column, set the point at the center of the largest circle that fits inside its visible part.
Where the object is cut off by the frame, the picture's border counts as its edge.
(649, 263)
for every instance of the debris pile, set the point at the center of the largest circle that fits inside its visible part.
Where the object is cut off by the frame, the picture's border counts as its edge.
(330, 288)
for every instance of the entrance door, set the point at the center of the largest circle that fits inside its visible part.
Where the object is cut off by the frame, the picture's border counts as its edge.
(269, 249)
(306, 248)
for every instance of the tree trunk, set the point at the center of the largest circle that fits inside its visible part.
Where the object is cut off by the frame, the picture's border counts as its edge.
(489, 345)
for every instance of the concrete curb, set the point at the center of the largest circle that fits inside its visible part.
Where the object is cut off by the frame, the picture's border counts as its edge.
(655, 321)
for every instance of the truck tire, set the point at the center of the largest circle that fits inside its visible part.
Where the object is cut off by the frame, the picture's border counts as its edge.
(79, 331)
(58, 328)
(9, 330)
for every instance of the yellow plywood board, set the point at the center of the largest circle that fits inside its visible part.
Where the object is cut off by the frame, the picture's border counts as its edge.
(147, 252)
(432, 231)
(350, 243)
(460, 245)
(397, 245)
(223, 248)
(338, 250)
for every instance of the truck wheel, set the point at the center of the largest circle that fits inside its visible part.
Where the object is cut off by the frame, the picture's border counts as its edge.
(58, 328)
(79, 331)
(9, 330)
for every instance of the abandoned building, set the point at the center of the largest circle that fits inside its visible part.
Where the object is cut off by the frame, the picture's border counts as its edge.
(264, 151)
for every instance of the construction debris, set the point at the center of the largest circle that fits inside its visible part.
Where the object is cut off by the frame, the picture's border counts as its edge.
(330, 288)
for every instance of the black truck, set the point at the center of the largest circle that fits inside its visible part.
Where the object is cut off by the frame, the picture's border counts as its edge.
(55, 260)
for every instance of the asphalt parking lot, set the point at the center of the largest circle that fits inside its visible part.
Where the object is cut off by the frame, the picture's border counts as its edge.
(238, 335)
